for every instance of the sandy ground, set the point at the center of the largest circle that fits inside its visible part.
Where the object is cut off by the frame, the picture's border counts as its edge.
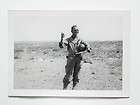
(40, 65)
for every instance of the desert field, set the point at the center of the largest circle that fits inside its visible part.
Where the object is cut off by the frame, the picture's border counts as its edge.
(41, 65)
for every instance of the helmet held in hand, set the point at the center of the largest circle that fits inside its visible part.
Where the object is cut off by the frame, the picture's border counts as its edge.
(81, 47)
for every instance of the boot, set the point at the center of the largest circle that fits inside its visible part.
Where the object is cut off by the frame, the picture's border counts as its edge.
(65, 83)
(75, 83)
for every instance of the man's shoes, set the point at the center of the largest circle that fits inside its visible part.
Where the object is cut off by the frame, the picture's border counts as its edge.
(65, 84)
(75, 82)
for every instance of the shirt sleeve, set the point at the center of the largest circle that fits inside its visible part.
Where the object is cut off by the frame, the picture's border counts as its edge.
(65, 42)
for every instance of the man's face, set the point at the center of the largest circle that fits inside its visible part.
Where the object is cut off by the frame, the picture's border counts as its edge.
(75, 30)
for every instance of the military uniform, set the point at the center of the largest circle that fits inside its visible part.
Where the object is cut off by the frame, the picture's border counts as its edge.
(74, 58)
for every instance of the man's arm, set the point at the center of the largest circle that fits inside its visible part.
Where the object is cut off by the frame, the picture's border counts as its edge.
(63, 42)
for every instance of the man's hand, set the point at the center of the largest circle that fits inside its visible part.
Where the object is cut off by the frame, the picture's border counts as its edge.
(62, 36)
(61, 42)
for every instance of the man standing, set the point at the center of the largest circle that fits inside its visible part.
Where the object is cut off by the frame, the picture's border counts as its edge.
(75, 48)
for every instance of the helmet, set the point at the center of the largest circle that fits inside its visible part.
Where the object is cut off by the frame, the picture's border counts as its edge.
(81, 47)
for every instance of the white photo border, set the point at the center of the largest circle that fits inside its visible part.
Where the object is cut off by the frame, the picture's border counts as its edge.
(77, 93)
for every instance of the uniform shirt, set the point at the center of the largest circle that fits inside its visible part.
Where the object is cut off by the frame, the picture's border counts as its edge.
(72, 45)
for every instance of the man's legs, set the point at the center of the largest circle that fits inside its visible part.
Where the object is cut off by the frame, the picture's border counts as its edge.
(68, 69)
(77, 68)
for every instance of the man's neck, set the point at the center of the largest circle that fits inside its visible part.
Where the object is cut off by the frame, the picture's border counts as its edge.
(74, 36)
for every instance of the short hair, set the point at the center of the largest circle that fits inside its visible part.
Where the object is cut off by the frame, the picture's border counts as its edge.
(73, 27)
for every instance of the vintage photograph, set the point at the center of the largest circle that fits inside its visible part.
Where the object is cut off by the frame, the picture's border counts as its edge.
(67, 50)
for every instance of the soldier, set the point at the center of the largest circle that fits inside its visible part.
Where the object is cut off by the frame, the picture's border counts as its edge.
(75, 48)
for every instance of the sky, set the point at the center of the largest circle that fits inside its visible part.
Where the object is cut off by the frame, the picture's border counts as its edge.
(48, 25)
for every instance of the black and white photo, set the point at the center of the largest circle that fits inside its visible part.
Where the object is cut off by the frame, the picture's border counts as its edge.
(69, 53)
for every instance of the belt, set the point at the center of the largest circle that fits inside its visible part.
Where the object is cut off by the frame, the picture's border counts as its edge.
(73, 55)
